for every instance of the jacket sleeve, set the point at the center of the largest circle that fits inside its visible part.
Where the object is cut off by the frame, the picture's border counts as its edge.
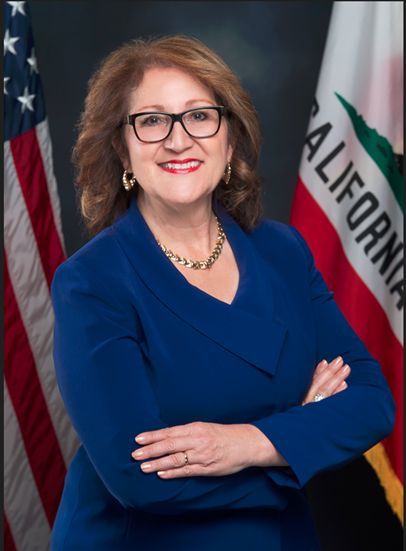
(330, 433)
(104, 381)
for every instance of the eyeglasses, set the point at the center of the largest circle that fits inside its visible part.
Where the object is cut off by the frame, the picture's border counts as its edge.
(201, 122)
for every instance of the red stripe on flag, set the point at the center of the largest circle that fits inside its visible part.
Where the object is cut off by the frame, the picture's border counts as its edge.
(41, 443)
(9, 544)
(357, 303)
(31, 174)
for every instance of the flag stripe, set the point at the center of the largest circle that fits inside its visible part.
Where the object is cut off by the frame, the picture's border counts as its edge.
(338, 211)
(45, 146)
(28, 523)
(33, 299)
(9, 544)
(32, 178)
(31, 409)
(357, 303)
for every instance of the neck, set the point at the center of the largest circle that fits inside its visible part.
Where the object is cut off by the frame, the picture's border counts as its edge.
(189, 230)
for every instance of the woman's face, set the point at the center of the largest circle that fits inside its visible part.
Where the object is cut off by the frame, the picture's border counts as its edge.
(172, 90)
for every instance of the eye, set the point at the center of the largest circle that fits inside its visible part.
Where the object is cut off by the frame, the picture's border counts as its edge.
(198, 115)
(151, 120)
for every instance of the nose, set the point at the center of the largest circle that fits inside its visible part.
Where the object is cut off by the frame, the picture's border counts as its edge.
(178, 139)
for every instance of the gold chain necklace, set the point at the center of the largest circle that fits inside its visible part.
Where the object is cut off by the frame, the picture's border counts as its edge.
(199, 264)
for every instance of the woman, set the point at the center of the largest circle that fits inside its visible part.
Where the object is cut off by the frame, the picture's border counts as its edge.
(194, 325)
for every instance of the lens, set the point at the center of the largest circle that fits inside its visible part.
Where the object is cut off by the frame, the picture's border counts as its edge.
(152, 126)
(201, 123)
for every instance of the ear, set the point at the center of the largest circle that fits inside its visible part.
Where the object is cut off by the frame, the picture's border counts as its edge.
(120, 148)
(230, 151)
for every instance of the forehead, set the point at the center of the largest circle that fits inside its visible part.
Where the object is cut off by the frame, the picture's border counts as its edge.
(169, 89)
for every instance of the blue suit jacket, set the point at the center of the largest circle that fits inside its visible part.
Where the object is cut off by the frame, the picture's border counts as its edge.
(137, 348)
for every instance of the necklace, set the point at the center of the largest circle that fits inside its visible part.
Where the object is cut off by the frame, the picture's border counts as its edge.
(199, 264)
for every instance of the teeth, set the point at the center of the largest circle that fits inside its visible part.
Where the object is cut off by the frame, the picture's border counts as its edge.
(178, 166)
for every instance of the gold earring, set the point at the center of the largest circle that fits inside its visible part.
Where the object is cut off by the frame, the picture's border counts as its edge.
(227, 174)
(128, 184)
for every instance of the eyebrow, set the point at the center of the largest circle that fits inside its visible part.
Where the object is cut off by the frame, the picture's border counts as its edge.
(187, 104)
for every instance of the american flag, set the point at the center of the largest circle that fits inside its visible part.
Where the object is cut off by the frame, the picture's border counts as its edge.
(39, 440)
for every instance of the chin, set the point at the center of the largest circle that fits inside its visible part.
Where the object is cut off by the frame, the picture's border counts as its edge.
(187, 198)
(182, 201)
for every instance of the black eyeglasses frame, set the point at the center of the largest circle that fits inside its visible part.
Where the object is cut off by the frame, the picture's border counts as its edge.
(177, 117)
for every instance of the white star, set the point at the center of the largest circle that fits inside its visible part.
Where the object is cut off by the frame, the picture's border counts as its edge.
(9, 42)
(32, 62)
(18, 7)
(6, 79)
(26, 100)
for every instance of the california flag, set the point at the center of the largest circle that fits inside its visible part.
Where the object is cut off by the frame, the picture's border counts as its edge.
(348, 202)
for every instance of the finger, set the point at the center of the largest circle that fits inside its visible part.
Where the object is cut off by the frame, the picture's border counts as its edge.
(341, 387)
(323, 372)
(337, 378)
(174, 461)
(188, 470)
(320, 379)
(160, 434)
(168, 446)
(332, 368)
(320, 367)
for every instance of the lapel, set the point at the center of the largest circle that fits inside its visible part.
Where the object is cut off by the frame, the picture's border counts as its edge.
(247, 327)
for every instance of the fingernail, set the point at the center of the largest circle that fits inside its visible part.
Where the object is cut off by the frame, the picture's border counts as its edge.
(146, 466)
(346, 368)
(138, 453)
(139, 438)
(338, 360)
(324, 362)
(161, 472)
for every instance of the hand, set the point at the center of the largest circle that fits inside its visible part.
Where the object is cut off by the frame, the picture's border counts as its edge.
(213, 449)
(328, 379)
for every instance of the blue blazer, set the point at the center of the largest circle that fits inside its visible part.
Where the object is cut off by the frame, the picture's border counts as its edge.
(137, 348)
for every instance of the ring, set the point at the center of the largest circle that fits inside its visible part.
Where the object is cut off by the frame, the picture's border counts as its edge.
(186, 458)
(318, 396)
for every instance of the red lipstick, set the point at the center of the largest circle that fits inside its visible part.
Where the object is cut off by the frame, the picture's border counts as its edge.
(181, 166)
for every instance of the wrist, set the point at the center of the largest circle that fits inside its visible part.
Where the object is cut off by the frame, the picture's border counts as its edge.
(264, 453)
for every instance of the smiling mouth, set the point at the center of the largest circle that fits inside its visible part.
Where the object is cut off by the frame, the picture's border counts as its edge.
(181, 168)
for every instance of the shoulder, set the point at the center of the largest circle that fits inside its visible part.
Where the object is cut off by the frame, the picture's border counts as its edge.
(94, 281)
(267, 227)
(98, 263)
(280, 240)
(91, 254)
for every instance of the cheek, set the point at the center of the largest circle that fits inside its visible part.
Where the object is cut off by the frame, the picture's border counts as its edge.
(141, 162)
(224, 145)
(221, 155)
(145, 176)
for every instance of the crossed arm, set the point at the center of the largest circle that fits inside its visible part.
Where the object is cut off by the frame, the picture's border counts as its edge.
(99, 366)
(103, 379)
(215, 449)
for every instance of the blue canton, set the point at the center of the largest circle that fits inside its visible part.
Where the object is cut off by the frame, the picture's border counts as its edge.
(23, 97)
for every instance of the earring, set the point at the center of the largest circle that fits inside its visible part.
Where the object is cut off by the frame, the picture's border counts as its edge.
(227, 174)
(128, 184)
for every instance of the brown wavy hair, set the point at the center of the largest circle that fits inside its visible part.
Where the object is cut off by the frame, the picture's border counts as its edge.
(100, 148)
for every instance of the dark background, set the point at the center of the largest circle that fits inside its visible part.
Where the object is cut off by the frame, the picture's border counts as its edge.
(276, 49)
